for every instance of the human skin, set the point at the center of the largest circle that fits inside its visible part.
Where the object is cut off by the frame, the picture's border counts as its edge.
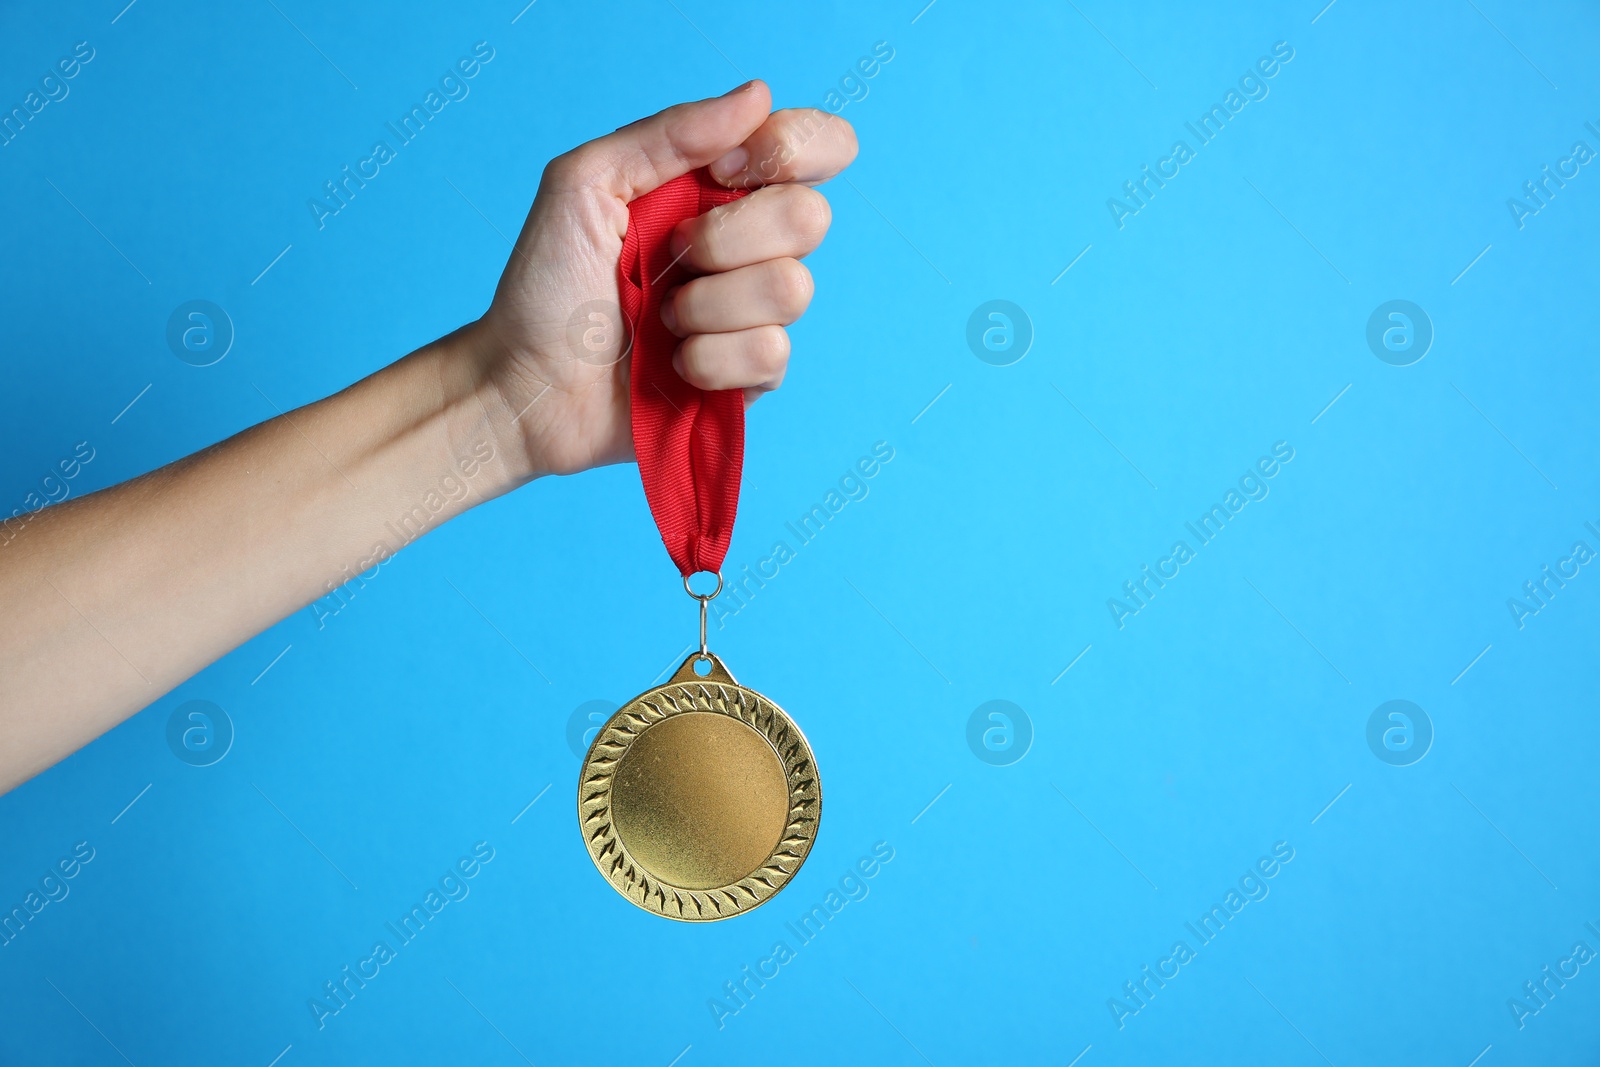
(114, 598)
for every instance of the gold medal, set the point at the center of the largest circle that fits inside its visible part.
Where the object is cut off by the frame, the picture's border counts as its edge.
(699, 799)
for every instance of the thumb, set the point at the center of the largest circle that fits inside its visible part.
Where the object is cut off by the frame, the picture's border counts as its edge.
(647, 154)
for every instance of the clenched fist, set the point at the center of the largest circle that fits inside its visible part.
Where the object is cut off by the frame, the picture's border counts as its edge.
(553, 352)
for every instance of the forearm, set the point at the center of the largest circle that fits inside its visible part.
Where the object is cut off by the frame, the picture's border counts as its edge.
(112, 599)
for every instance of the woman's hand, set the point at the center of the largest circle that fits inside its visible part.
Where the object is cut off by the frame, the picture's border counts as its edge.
(553, 341)
(116, 597)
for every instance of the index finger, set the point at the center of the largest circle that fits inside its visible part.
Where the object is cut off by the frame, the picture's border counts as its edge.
(801, 144)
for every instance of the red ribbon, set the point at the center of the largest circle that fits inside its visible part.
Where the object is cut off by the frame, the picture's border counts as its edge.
(690, 442)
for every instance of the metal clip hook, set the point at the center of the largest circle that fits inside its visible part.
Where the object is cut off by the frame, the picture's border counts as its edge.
(705, 599)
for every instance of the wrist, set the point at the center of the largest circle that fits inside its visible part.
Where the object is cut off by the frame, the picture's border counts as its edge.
(478, 418)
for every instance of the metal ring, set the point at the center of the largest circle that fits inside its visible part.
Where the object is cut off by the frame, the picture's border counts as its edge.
(703, 597)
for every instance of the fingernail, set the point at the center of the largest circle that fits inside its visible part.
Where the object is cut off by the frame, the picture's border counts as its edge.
(740, 88)
(730, 164)
(668, 315)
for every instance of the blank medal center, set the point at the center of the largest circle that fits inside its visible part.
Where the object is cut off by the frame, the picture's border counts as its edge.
(700, 800)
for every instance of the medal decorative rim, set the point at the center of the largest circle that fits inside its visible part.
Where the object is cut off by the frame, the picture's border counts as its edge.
(684, 693)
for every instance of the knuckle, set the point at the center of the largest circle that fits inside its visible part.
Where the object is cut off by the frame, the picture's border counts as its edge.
(783, 141)
(796, 127)
(708, 241)
(694, 357)
(569, 170)
(686, 301)
(846, 136)
(677, 310)
(769, 165)
(793, 286)
(807, 212)
(770, 348)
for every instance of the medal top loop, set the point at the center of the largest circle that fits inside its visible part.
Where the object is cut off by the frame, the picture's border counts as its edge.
(705, 599)
(702, 597)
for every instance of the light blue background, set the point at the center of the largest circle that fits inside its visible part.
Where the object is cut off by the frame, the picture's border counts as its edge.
(1223, 718)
